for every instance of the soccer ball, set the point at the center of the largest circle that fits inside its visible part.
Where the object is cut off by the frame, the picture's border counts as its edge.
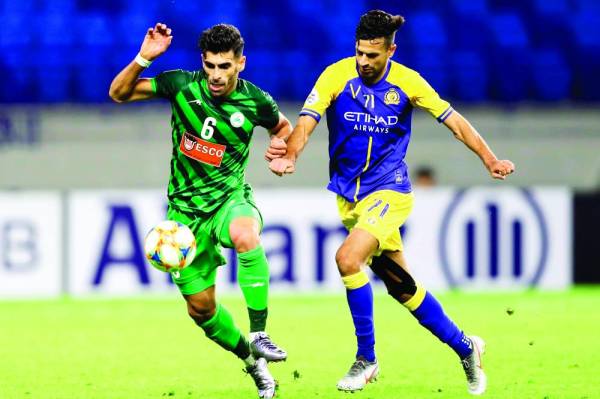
(170, 246)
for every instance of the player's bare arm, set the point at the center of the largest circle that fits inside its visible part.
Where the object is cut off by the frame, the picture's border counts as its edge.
(286, 164)
(465, 132)
(127, 86)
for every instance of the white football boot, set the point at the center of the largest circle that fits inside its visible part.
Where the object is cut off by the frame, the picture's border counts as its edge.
(262, 378)
(262, 346)
(360, 374)
(476, 379)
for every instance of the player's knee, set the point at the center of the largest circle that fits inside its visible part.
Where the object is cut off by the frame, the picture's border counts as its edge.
(244, 240)
(201, 309)
(347, 262)
(399, 283)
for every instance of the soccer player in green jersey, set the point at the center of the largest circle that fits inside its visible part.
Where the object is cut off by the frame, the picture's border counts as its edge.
(369, 101)
(213, 116)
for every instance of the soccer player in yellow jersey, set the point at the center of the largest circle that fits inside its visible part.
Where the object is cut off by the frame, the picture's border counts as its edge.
(369, 101)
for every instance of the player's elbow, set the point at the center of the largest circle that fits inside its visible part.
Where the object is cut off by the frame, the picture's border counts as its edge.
(118, 93)
(116, 96)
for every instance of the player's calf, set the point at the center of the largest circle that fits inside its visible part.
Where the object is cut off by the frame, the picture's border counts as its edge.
(201, 306)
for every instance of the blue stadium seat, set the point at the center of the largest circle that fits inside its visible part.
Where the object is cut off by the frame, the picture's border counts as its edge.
(586, 29)
(587, 6)
(53, 78)
(469, 76)
(432, 65)
(63, 7)
(264, 68)
(21, 7)
(550, 75)
(17, 64)
(94, 29)
(509, 74)
(586, 56)
(264, 32)
(508, 30)
(472, 8)
(132, 28)
(296, 81)
(345, 9)
(55, 30)
(470, 50)
(552, 7)
(16, 30)
(144, 7)
(509, 59)
(426, 29)
(469, 33)
(552, 20)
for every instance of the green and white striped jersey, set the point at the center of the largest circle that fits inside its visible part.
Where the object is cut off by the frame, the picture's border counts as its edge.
(211, 136)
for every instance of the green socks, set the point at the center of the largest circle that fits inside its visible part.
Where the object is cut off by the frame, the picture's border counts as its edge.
(222, 330)
(253, 278)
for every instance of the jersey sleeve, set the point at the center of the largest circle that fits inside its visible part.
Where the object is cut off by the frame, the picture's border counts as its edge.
(328, 86)
(167, 84)
(422, 95)
(267, 110)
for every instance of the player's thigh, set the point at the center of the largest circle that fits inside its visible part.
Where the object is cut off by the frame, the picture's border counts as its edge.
(201, 273)
(238, 213)
(381, 214)
(356, 250)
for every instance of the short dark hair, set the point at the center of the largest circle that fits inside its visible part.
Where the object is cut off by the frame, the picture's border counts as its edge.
(377, 23)
(220, 39)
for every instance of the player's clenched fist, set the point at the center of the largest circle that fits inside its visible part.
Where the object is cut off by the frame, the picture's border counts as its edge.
(277, 149)
(282, 166)
(499, 169)
(156, 41)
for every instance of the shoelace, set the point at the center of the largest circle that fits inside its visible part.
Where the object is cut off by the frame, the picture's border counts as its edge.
(264, 341)
(357, 368)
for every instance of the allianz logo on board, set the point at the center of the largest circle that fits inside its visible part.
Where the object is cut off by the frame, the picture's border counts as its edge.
(493, 239)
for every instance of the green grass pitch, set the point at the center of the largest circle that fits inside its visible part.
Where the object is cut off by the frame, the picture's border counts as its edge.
(547, 347)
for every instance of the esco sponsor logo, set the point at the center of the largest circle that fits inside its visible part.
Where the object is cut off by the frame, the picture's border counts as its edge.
(187, 143)
(201, 146)
(202, 150)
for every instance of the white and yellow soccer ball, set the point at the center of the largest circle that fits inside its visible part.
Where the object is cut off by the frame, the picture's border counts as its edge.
(170, 246)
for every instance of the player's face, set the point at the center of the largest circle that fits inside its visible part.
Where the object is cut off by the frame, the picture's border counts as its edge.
(372, 57)
(223, 70)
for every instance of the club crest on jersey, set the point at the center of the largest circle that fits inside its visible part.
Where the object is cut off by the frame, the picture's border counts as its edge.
(202, 150)
(237, 119)
(391, 97)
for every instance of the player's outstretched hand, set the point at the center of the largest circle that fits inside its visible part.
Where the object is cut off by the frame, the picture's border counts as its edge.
(277, 149)
(282, 166)
(499, 169)
(156, 42)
